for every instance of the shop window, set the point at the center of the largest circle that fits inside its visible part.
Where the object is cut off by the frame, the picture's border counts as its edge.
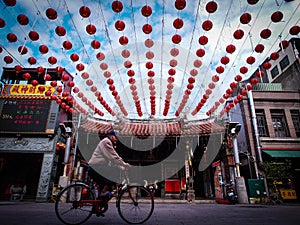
(284, 62)
(261, 123)
(295, 114)
(274, 72)
(279, 123)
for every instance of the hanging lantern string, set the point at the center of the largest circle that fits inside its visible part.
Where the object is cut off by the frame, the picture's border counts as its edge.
(189, 52)
(226, 77)
(199, 92)
(137, 51)
(112, 50)
(161, 56)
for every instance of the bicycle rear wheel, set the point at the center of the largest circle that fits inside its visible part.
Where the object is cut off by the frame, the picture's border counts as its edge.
(135, 204)
(70, 207)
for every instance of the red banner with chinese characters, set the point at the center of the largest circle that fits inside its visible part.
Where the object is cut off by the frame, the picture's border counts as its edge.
(27, 89)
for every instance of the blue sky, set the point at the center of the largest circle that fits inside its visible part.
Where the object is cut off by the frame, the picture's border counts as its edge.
(225, 22)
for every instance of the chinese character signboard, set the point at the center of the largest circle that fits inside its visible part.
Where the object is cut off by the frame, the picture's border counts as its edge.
(24, 115)
(26, 89)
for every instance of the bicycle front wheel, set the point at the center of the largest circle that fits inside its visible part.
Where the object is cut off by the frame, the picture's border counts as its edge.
(135, 204)
(73, 204)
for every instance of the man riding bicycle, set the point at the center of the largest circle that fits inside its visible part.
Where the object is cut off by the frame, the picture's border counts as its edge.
(105, 164)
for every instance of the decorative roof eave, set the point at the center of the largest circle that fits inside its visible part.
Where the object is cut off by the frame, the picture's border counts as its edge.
(171, 128)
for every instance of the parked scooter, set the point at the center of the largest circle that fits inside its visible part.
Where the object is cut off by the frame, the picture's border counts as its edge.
(230, 193)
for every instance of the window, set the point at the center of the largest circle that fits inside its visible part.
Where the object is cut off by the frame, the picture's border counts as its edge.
(284, 62)
(296, 120)
(279, 123)
(261, 123)
(274, 72)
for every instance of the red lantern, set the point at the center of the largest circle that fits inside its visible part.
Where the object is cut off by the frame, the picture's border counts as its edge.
(74, 57)
(215, 78)
(211, 85)
(172, 72)
(23, 50)
(197, 63)
(233, 85)
(146, 11)
(200, 52)
(52, 60)
(267, 65)
(225, 60)
(47, 77)
(51, 13)
(149, 65)
(119, 25)
(41, 88)
(208, 91)
(243, 70)
(254, 81)
(194, 72)
(174, 52)
(85, 11)
(252, 2)
(284, 44)
(147, 28)
(130, 73)
(265, 33)
(259, 48)
(53, 83)
(230, 49)
(151, 73)
(40, 70)
(207, 25)
(211, 7)
(250, 60)
(277, 17)
(2, 23)
(173, 62)
(117, 6)
(107, 74)
(65, 77)
(10, 2)
(191, 80)
(171, 79)
(149, 55)
(220, 69)
(229, 91)
(11, 37)
(203, 40)
(103, 66)
(80, 67)
(85, 75)
(274, 56)
(32, 60)
(95, 44)
(43, 49)
(249, 87)
(8, 59)
(149, 43)
(294, 30)
(132, 80)
(60, 31)
(245, 18)
(238, 34)
(59, 70)
(238, 78)
(34, 82)
(150, 81)
(89, 82)
(260, 74)
(67, 45)
(90, 29)
(243, 92)
(26, 76)
(123, 40)
(18, 68)
(180, 4)
(23, 19)
(100, 56)
(127, 64)
(178, 23)
(176, 39)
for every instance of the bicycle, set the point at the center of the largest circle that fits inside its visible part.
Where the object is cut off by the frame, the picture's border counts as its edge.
(76, 203)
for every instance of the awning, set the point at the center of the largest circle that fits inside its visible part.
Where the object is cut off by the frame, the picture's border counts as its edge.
(283, 153)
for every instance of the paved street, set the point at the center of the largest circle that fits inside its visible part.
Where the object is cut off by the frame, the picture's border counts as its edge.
(15, 213)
